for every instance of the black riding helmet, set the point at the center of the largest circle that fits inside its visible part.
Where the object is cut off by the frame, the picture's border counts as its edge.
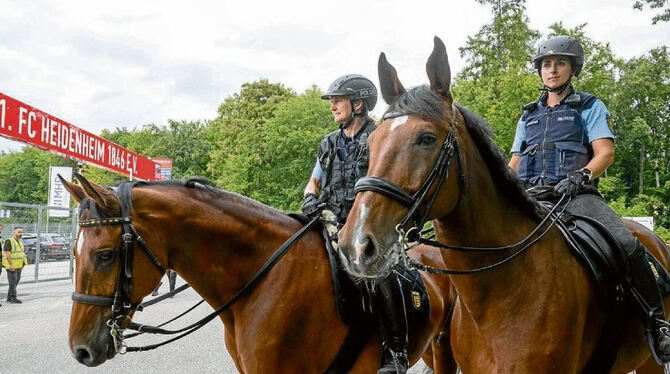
(561, 45)
(357, 87)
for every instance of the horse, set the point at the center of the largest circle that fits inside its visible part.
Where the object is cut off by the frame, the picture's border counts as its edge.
(536, 309)
(216, 240)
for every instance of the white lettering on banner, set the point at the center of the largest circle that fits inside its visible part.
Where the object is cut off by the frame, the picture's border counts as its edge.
(21, 122)
(28, 123)
(72, 140)
(4, 110)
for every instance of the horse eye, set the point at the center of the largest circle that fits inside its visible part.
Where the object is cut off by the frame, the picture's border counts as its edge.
(426, 139)
(104, 256)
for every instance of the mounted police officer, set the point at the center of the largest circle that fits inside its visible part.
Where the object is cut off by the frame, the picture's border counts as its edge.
(343, 158)
(565, 141)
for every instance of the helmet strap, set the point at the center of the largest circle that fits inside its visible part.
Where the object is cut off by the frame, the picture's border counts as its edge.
(558, 90)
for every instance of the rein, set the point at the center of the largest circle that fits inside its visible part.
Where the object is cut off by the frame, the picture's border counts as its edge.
(120, 301)
(439, 173)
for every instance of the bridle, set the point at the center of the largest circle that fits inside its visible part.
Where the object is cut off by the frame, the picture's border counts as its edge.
(438, 174)
(120, 302)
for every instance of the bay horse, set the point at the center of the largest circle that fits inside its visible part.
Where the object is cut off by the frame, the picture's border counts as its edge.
(538, 312)
(216, 240)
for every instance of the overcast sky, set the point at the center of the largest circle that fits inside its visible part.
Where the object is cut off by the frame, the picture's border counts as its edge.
(104, 65)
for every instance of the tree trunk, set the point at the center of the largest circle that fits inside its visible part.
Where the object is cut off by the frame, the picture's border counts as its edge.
(641, 176)
(656, 174)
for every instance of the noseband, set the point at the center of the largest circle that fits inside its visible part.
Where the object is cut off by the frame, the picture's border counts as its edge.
(120, 302)
(439, 173)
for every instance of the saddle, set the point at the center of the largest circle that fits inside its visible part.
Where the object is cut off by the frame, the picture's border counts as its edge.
(599, 250)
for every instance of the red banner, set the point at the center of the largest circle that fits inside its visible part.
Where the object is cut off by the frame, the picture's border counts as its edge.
(19, 121)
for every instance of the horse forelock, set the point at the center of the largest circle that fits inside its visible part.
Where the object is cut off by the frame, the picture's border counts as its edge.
(420, 101)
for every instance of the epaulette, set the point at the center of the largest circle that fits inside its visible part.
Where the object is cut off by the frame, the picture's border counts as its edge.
(530, 106)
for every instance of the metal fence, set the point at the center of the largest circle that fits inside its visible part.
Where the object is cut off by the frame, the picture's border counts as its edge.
(48, 237)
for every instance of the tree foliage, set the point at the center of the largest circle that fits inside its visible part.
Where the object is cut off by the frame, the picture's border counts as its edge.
(655, 4)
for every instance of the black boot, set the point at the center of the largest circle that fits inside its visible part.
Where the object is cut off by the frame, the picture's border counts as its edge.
(390, 309)
(645, 289)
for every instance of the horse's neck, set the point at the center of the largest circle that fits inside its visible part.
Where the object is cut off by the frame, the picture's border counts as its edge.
(483, 217)
(215, 243)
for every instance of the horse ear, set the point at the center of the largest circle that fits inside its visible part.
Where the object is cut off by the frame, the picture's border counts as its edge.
(105, 199)
(76, 191)
(388, 80)
(438, 70)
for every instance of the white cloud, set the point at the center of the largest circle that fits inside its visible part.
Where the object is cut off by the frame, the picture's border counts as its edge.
(128, 63)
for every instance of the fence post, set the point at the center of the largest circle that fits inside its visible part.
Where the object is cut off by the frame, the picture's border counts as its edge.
(38, 245)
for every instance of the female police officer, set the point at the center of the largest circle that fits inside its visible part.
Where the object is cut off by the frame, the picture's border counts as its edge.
(563, 140)
(343, 159)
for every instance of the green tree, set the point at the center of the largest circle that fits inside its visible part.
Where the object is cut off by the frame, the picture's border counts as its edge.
(238, 135)
(655, 4)
(185, 142)
(498, 78)
(273, 165)
(642, 119)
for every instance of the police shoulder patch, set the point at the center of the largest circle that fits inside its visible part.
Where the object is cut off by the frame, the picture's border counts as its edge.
(610, 123)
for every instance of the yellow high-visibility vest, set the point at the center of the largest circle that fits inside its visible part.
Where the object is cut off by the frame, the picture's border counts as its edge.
(17, 254)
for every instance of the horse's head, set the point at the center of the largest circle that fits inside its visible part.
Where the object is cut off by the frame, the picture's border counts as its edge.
(410, 160)
(109, 283)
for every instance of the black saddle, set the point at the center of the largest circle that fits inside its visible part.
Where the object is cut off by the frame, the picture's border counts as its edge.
(602, 254)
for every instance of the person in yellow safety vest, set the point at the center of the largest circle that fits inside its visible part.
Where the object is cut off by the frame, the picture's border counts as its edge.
(14, 259)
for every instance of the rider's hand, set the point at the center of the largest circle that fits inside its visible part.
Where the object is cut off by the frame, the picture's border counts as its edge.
(573, 182)
(310, 205)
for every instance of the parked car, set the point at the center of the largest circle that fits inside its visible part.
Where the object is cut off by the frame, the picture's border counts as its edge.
(52, 247)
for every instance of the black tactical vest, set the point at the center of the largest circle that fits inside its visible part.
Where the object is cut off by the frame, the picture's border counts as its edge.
(342, 166)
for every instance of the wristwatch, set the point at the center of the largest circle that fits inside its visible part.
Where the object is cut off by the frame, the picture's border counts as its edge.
(587, 172)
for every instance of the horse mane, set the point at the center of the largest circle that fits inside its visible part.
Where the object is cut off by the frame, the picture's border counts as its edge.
(426, 104)
(124, 190)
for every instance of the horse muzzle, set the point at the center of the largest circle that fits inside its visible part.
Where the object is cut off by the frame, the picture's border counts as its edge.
(94, 353)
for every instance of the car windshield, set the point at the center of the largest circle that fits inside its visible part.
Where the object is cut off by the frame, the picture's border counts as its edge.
(29, 240)
(58, 239)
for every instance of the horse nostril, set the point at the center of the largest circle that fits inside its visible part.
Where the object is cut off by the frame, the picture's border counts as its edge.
(82, 355)
(369, 249)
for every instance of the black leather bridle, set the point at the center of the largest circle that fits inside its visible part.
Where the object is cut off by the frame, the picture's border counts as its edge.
(120, 301)
(438, 174)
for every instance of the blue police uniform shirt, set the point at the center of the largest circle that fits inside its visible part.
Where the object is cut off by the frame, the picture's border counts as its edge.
(594, 116)
(317, 173)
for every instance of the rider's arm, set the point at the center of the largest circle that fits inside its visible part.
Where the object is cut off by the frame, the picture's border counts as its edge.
(514, 162)
(598, 129)
(603, 156)
(519, 137)
(314, 183)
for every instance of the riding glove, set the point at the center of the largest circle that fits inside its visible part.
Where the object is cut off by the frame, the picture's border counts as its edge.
(311, 205)
(573, 183)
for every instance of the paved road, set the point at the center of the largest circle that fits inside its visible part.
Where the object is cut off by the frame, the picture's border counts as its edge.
(39, 338)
